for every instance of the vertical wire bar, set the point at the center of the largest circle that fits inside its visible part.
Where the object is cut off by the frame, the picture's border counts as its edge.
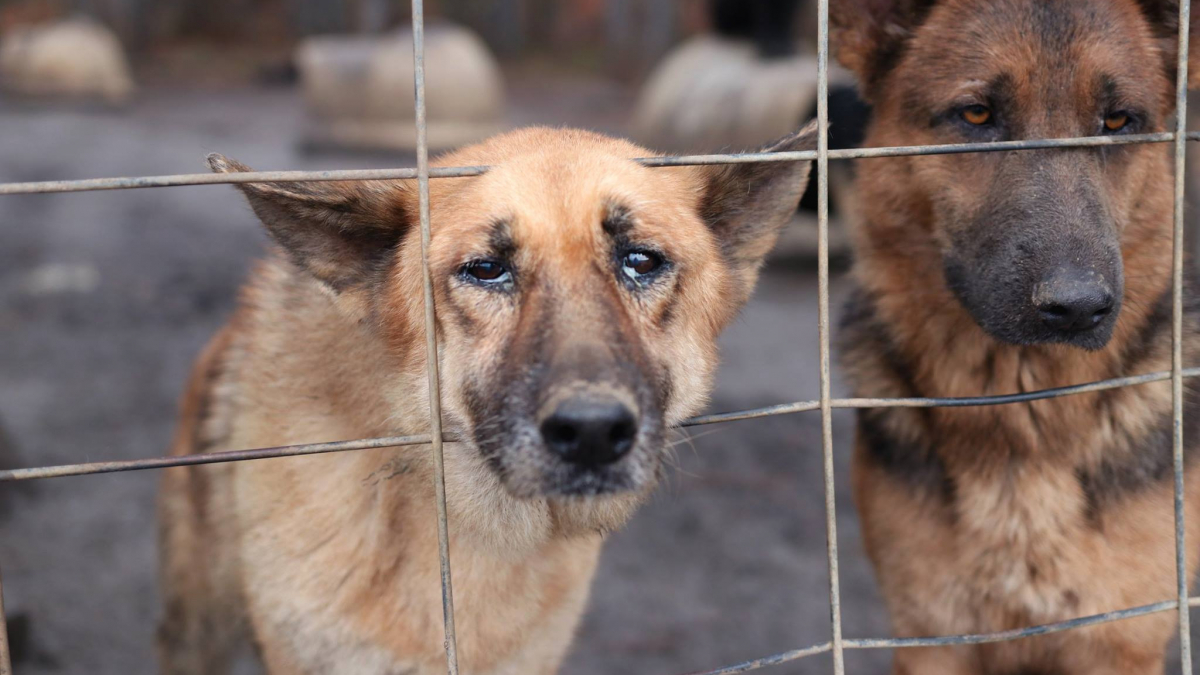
(1181, 575)
(831, 542)
(431, 349)
(5, 658)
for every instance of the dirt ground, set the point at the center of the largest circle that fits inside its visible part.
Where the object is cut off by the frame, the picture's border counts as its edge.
(106, 297)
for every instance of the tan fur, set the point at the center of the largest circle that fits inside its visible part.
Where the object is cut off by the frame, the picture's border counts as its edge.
(331, 562)
(1016, 542)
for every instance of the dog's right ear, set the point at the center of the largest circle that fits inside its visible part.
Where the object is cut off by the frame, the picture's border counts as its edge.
(747, 205)
(343, 233)
(867, 36)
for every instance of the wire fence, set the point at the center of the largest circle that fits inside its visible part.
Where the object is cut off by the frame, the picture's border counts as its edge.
(837, 644)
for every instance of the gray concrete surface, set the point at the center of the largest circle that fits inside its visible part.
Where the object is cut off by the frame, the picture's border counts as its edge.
(106, 297)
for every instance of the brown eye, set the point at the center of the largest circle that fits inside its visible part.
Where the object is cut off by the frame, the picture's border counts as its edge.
(1116, 121)
(487, 272)
(978, 115)
(637, 265)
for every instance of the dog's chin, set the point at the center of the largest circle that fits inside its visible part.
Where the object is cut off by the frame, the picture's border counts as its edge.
(1031, 333)
(532, 472)
(572, 481)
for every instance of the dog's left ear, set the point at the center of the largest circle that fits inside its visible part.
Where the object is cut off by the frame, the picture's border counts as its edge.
(1164, 21)
(344, 233)
(868, 36)
(747, 205)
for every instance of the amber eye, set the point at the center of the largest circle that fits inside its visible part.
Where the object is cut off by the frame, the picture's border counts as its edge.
(487, 272)
(638, 265)
(978, 115)
(1116, 121)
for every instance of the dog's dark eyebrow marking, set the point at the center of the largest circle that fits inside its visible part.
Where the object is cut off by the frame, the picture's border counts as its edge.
(1001, 90)
(618, 221)
(1116, 99)
(1108, 90)
(997, 94)
(500, 239)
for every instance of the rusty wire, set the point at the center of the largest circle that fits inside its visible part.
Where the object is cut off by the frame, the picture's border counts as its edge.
(89, 468)
(186, 179)
(954, 640)
(1181, 102)
(5, 657)
(825, 404)
(431, 350)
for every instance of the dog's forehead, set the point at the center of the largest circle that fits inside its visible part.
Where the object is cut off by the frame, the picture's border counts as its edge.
(558, 185)
(1060, 53)
(1022, 32)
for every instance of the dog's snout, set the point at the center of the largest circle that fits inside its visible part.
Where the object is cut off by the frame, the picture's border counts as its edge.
(588, 431)
(1074, 301)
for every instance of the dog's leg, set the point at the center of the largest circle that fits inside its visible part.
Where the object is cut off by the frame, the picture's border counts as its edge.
(200, 628)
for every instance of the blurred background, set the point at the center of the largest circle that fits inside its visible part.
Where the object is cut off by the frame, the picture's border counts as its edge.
(105, 298)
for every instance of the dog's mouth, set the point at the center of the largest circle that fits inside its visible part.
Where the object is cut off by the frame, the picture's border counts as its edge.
(581, 481)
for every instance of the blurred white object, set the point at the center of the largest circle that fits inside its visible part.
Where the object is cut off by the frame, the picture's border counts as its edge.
(58, 278)
(715, 93)
(360, 89)
(75, 58)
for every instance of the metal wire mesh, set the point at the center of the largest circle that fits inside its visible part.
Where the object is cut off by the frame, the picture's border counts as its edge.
(825, 404)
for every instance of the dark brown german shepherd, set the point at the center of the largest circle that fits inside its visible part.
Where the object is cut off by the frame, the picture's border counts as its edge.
(996, 273)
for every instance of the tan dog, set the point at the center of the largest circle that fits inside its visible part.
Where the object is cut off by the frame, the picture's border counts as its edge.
(1012, 272)
(579, 300)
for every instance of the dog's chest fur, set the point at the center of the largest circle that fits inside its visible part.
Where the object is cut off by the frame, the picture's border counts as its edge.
(1001, 517)
(365, 598)
(1013, 537)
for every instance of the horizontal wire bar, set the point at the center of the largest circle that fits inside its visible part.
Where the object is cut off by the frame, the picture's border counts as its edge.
(910, 150)
(133, 183)
(87, 468)
(1015, 634)
(954, 402)
(768, 661)
(214, 457)
(954, 640)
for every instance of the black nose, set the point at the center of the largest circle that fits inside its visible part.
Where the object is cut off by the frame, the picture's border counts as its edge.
(1074, 301)
(590, 432)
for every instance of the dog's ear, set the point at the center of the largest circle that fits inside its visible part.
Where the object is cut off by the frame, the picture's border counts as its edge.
(867, 36)
(344, 233)
(747, 205)
(1164, 21)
